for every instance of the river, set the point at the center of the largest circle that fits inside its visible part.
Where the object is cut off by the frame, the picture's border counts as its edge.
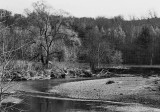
(37, 99)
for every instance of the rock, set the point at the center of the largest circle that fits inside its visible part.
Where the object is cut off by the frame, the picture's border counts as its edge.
(18, 79)
(63, 75)
(86, 73)
(78, 72)
(16, 76)
(72, 73)
(52, 75)
(110, 82)
(31, 73)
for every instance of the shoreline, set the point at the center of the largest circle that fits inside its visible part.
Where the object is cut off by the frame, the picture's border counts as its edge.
(139, 90)
(138, 86)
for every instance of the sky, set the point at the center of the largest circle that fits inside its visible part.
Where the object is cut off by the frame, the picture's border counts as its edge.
(91, 8)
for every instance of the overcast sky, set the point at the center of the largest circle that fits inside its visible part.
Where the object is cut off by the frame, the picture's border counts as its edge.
(91, 8)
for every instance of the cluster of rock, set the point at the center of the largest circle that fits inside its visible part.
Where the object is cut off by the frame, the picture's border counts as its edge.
(71, 73)
(47, 74)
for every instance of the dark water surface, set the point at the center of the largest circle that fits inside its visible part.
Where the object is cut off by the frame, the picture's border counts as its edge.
(53, 105)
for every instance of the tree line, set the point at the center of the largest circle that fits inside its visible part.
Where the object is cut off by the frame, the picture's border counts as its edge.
(44, 35)
(127, 41)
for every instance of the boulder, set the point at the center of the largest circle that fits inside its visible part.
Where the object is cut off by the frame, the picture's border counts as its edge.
(63, 75)
(72, 73)
(53, 75)
(16, 76)
(86, 73)
(110, 82)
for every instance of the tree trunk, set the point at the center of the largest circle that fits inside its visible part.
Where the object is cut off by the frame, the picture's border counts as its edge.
(42, 59)
(151, 62)
(46, 62)
(47, 58)
(99, 55)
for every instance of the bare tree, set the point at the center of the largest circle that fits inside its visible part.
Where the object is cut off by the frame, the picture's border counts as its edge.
(47, 28)
(6, 58)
